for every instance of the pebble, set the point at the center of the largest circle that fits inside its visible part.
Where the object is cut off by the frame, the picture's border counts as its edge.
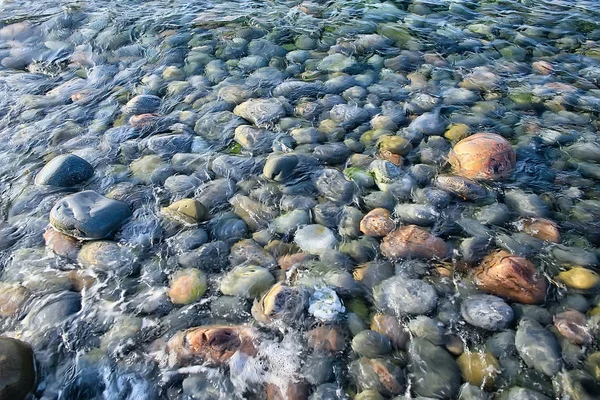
(400, 296)
(483, 156)
(435, 373)
(88, 215)
(479, 368)
(188, 211)
(538, 347)
(512, 277)
(377, 223)
(410, 241)
(187, 286)
(487, 312)
(65, 170)
(18, 372)
(246, 281)
(371, 344)
(315, 239)
(573, 325)
(579, 278)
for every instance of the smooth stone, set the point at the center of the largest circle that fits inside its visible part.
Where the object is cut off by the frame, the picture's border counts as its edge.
(400, 296)
(410, 241)
(88, 215)
(12, 298)
(461, 187)
(493, 214)
(248, 252)
(479, 368)
(391, 328)
(65, 170)
(54, 311)
(574, 326)
(280, 167)
(187, 286)
(578, 385)
(338, 63)
(189, 211)
(538, 347)
(377, 223)
(315, 239)
(261, 112)
(289, 222)
(17, 369)
(106, 255)
(579, 278)
(378, 374)
(487, 312)
(525, 204)
(371, 344)
(416, 214)
(281, 303)
(332, 185)
(483, 156)
(435, 373)
(520, 393)
(210, 257)
(246, 281)
(470, 392)
(511, 277)
(142, 104)
(428, 124)
(423, 327)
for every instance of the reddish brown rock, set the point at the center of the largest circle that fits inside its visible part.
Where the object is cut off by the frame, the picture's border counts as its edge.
(377, 223)
(542, 67)
(511, 277)
(61, 244)
(573, 325)
(483, 156)
(212, 344)
(142, 120)
(413, 242)
(329, 338)
(541, 228)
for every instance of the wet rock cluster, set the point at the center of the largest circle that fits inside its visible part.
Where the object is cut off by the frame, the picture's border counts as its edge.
(370, 200)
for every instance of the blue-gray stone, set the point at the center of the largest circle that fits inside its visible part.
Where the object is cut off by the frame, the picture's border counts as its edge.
(65, 170)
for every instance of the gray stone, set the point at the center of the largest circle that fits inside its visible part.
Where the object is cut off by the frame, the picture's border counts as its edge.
(17, 369)
(349, 115)
(142, 104)
(280, 167)
(371, 344)
(65, 170)
(333, 185)
(435, 373)
(88, 215)
(538, 347)
(261, 112)
(400, 296)
(210, 257)
(338, 63)
(218, 126)
(487, 312)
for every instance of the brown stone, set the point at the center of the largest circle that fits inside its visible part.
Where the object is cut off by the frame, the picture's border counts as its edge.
(573, 325)
(329, 338)
(288, 261)
(213, 344)
(61, 244)
(511, 277)
(292, 391)
(12, 298)
(390, 327)
(541, 228)
(80, 280)
(483, 156)
(377, 223)
(142, 120)
(413, 242)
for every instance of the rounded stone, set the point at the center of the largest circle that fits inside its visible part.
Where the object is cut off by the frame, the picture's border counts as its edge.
(511, 277)
(315, 239)
(377, 223)
(573, 325)
(187, 286)
(410, 241)
(538, 347)
(65, 170)
(371, 344)
(88, 215)
(580, 278)
(280, 167)
(12, 297)
(17, 369)
(487, 312)
(246, 281)
(479, 369)
(400, 296)
(483, 156)
(187, 210)
(540, 228)
(281, 302)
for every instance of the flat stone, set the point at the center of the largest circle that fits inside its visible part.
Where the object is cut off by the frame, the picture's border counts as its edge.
(88, 215)
(400, 296)
(261, 112)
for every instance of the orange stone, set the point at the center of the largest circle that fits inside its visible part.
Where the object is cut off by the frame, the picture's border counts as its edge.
(483, 156)
(377, 223)
(511, 277)
(413, 242)
(541, 228)
(327, 338)
(213, 344)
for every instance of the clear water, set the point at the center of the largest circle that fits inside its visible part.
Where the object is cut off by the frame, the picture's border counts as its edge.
(67, 68)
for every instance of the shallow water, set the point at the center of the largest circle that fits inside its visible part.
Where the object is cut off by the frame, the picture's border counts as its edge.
(430, 72)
